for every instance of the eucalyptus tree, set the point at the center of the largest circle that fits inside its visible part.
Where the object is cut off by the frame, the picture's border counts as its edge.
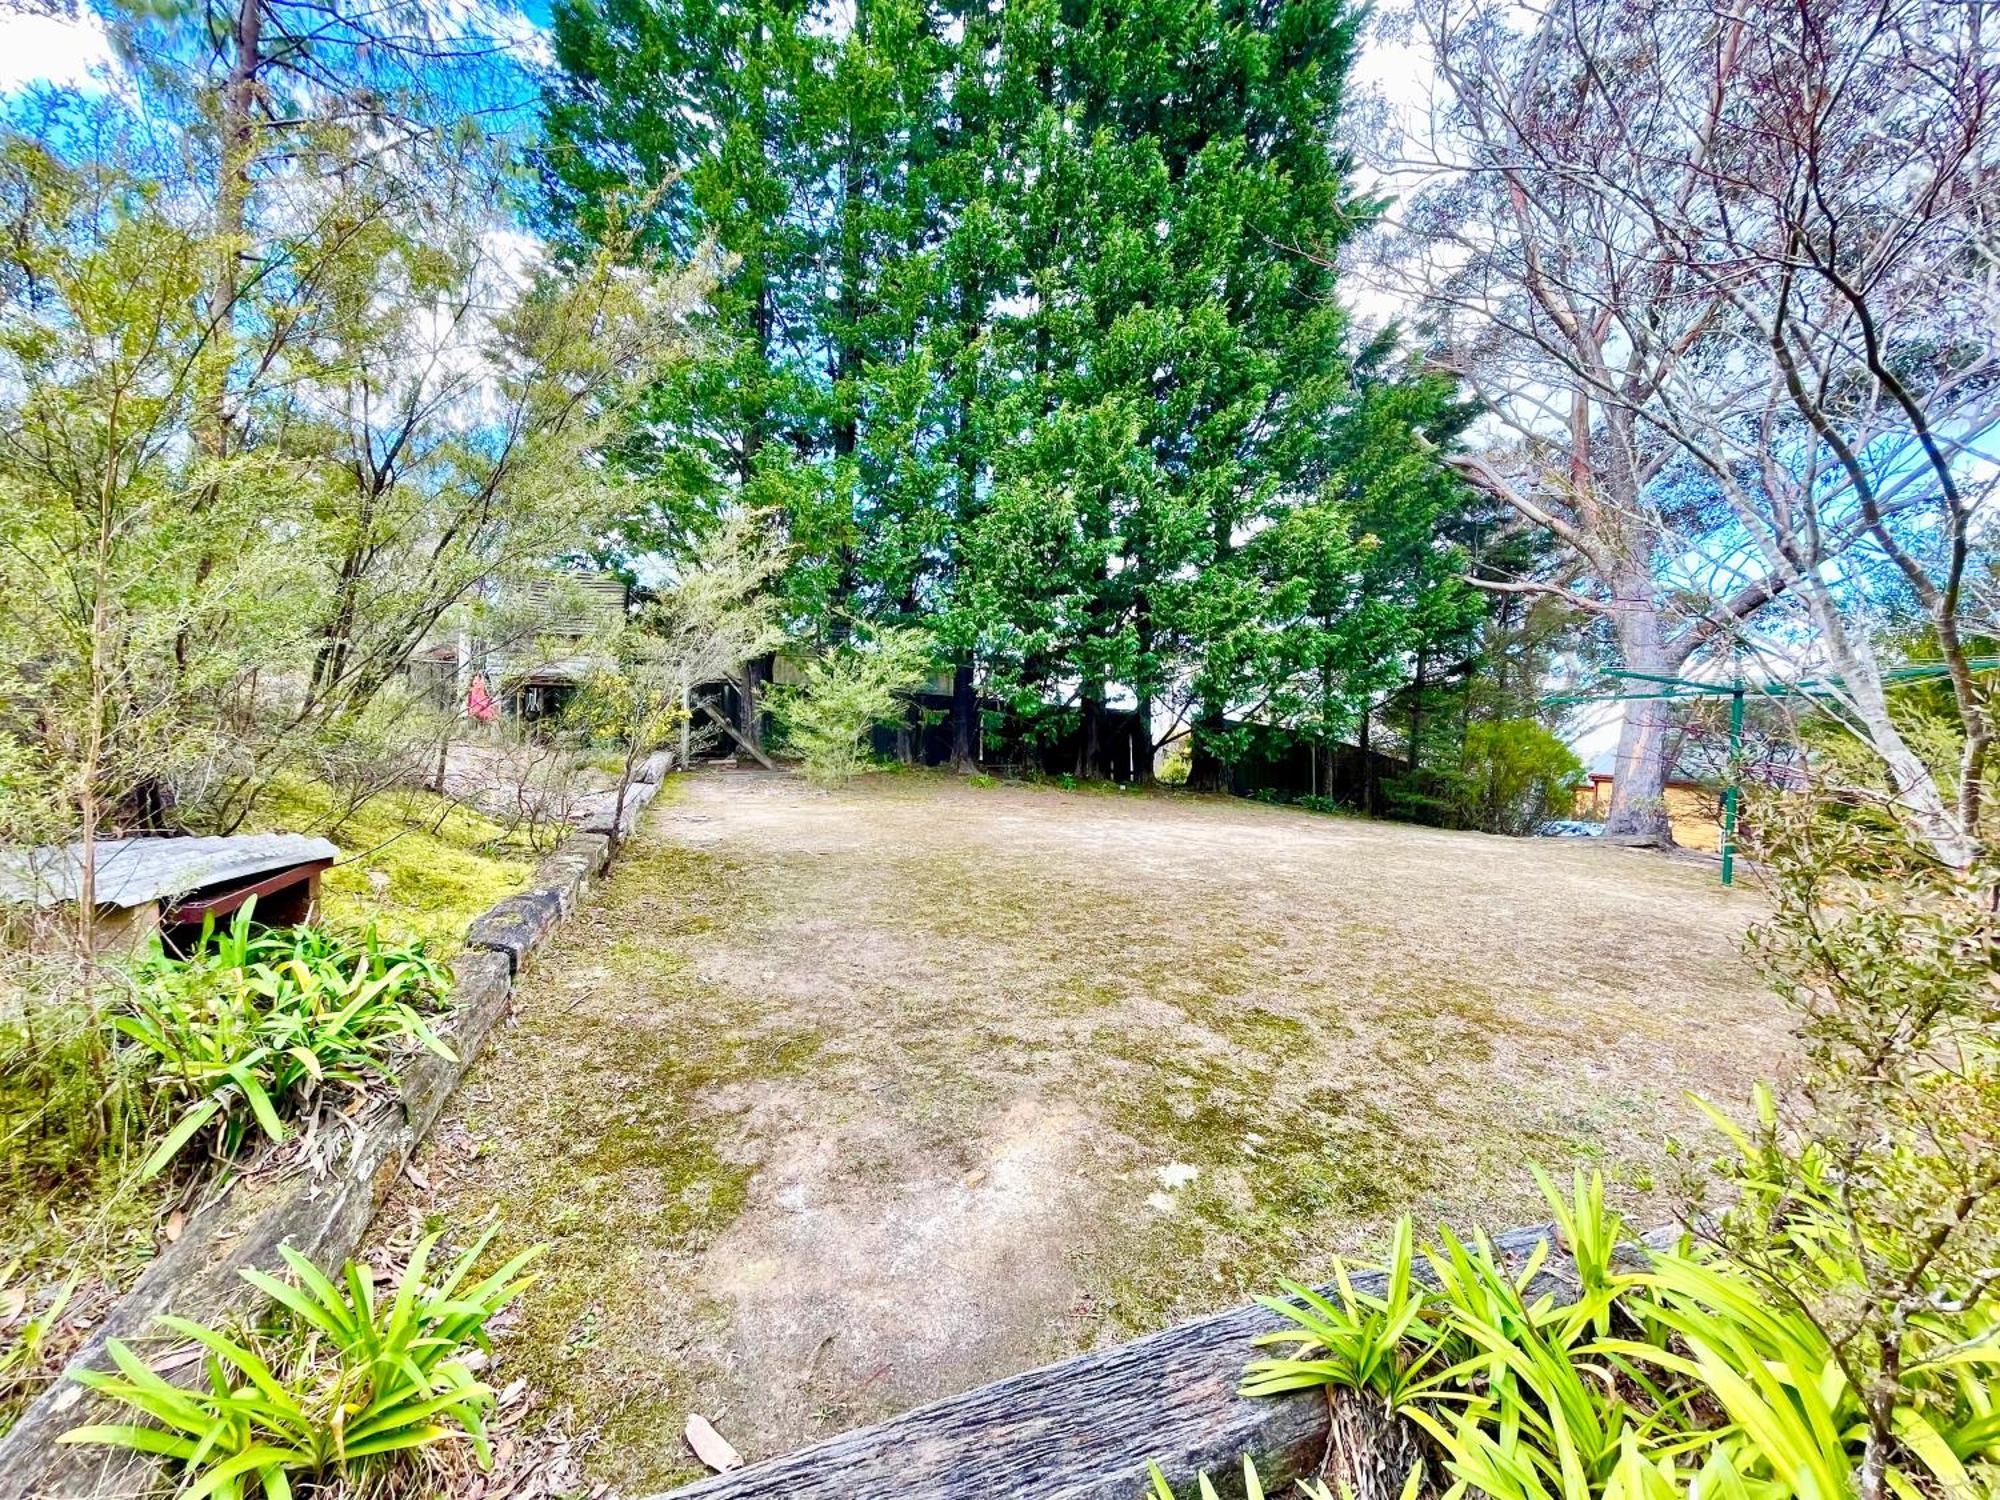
(1723, 275)
(234, 502)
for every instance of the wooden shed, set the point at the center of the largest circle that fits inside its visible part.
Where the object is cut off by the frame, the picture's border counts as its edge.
(169, 885)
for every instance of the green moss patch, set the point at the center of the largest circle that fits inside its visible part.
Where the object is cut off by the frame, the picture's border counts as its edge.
(417, 864)
(591, 1125)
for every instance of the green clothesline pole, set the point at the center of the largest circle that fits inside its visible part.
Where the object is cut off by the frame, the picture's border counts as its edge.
(1680, 689)
(1729, 792)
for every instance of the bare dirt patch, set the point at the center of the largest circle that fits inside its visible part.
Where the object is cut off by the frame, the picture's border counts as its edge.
(834, 1103)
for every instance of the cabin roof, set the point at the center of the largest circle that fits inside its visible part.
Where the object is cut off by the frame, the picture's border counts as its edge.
(132, 872)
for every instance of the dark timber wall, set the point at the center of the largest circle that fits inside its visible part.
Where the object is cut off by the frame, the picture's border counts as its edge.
(1009, 742)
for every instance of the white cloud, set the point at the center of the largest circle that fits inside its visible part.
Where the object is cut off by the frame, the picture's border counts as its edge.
(69, 51)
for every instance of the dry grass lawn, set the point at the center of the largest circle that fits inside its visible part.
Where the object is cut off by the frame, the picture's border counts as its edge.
(833, 1103)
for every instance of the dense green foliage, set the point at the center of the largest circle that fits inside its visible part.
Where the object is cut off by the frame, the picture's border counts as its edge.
(1516, 775)
(1673, 1374)
(1028, 333)
(265, 430)
(348, 1384)
(845, 693)
(253, 1024)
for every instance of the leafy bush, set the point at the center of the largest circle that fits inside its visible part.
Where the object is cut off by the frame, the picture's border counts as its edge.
(1867, 1197)
(346, 1382)
(845, 694)
(254, 1024)
(1514, 776)
(1681, 1375)
(1362, 1343)
(1253, 1487)
(1424, 795)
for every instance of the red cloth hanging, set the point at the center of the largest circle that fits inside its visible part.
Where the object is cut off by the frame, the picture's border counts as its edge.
(479, 703)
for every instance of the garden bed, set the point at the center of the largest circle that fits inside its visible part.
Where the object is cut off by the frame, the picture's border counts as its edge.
(317, 1199)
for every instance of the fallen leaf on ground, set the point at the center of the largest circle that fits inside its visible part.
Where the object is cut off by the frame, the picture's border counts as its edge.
(176, 1223)
(177, 1359)
(710, 1446)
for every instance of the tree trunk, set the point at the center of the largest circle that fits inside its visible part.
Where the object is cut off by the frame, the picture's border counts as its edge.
(1141, 739)
(750, 718)
(1639, 776)
(1090, 743)
(1367, 761)
(1206, 770)
(964, 719)
(1417, 711)
(1917, 798)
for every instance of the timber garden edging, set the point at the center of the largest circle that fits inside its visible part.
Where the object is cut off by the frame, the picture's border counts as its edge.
(1085, 1428)
(324, 1215)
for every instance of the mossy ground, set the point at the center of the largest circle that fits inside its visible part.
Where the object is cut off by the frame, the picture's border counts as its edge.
(833, 1102)
(416, 864)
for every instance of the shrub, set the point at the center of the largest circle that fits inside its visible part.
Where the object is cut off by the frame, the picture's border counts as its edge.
(344, 1384)
(1424, 795)
(1514, 776)
(845, 694)
(1682, 1374)
(253, 1025)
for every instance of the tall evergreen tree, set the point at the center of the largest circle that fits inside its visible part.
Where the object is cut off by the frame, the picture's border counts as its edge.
(1027, 331)
(683, 118)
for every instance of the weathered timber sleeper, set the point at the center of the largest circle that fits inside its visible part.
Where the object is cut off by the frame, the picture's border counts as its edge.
(1083, 1429)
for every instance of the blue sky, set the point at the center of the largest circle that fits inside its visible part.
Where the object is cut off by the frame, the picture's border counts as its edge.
(76, 51)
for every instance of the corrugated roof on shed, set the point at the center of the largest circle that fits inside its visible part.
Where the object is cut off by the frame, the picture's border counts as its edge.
(131, 872)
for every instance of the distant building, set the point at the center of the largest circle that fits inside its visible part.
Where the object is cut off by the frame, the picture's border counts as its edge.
(533, 673)
(1693, 810)
(1694, 790)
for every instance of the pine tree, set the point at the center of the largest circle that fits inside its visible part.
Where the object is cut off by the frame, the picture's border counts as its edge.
(1029, 333)
(682, 117)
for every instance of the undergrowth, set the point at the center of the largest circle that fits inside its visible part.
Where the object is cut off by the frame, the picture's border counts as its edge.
(1639, 1375)
(257, 1026)
(340, 1384)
